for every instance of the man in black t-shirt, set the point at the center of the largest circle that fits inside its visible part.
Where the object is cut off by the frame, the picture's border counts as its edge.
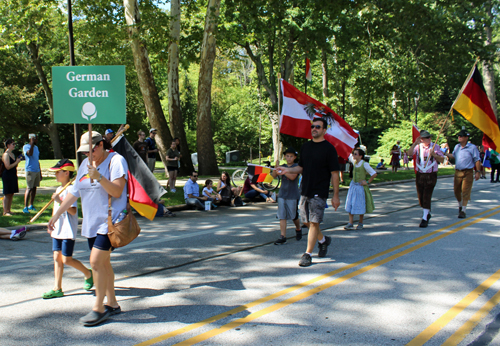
(319, 166)
(141, 146)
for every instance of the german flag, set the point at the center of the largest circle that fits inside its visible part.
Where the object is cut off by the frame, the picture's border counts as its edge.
(473, 104)
(144, 191)
(259, 174)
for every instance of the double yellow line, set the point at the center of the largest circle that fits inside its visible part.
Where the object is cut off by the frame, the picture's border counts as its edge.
(312, 291)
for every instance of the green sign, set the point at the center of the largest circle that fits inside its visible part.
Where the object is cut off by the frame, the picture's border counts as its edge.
(89, 94)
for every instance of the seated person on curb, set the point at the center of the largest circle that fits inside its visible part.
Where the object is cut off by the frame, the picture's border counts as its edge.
(253, 190)
(381, 164)
(192, 192)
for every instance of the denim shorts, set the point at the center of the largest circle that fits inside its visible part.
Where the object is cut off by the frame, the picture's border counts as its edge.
(101, 242)
(66, 246)
(312, 209)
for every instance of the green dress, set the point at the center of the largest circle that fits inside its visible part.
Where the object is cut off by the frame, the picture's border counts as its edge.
(359, 174)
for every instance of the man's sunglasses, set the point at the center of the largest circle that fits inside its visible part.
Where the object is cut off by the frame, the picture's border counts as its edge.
(317, 127)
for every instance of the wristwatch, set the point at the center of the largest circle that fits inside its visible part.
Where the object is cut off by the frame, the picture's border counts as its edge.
(99, 179)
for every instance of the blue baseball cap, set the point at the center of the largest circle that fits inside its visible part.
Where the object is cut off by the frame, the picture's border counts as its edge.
(109, 131)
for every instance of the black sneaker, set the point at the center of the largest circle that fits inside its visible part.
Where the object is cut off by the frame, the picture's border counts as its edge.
(323, 248)
(280, 241)
(462, 215)
(429, 217)
(298, 234)
(423, 223)
(305, 260)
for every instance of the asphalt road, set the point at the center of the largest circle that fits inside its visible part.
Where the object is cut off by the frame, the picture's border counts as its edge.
(215, 278)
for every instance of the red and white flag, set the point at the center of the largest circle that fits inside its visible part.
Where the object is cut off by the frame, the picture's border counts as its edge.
(415, 133)
(308, 70)
(299, 110)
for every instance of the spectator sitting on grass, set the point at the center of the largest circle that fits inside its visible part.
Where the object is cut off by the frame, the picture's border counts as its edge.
(381, 165)
(253, 190)
(192, 192)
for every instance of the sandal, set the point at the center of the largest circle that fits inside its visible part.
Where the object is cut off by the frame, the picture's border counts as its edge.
(89, 283)
(53, 294)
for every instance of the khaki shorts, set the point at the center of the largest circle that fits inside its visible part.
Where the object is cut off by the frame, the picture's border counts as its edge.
(312, 209)
(32, 179)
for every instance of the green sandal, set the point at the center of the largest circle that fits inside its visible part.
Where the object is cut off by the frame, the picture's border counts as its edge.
(89, 283)
(53, 294)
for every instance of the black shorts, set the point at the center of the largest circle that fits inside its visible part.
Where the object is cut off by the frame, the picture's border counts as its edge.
(172, 169)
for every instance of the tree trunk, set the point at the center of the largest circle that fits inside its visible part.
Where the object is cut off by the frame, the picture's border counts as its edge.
(324, 64)
(488, 71)
(207, 161)
(174, 106)
(51, 128)
(146, 81)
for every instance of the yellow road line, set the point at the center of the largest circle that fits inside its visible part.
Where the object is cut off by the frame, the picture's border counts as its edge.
(296, 287)
(447, 317)
(468, 326)
(286, 302)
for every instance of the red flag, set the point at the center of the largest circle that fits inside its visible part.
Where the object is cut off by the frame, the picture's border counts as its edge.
(299, 110)
(308, 70)
(474, 105)
(415, 133)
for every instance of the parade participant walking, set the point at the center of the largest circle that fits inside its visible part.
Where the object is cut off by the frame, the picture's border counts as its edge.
(33, 172)
(319, 167)
(426, 175)
(288, 197)
(9, 176)
(96, 181)
(495, 166)
(466, 157)
(173, 156)
(152, 150)
(141, 146)
(359, 199)
(192, 192)
(64, 234)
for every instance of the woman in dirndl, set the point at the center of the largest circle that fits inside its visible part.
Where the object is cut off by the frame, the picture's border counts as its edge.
(359, 198)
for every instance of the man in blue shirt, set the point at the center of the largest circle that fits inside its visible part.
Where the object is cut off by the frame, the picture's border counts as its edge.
(467, 158)
(192, 192)
(33, 172)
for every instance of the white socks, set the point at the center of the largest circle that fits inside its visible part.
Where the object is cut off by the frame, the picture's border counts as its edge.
(322, 240)
(426, 212)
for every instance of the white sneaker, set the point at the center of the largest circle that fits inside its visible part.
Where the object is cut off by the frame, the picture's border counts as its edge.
(173, 190)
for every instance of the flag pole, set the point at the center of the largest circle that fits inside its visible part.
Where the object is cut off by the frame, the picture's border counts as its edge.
(305, 76)
(118, 134)
(50, 202)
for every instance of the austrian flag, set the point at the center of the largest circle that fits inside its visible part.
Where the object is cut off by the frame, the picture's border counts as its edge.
(298, 112)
